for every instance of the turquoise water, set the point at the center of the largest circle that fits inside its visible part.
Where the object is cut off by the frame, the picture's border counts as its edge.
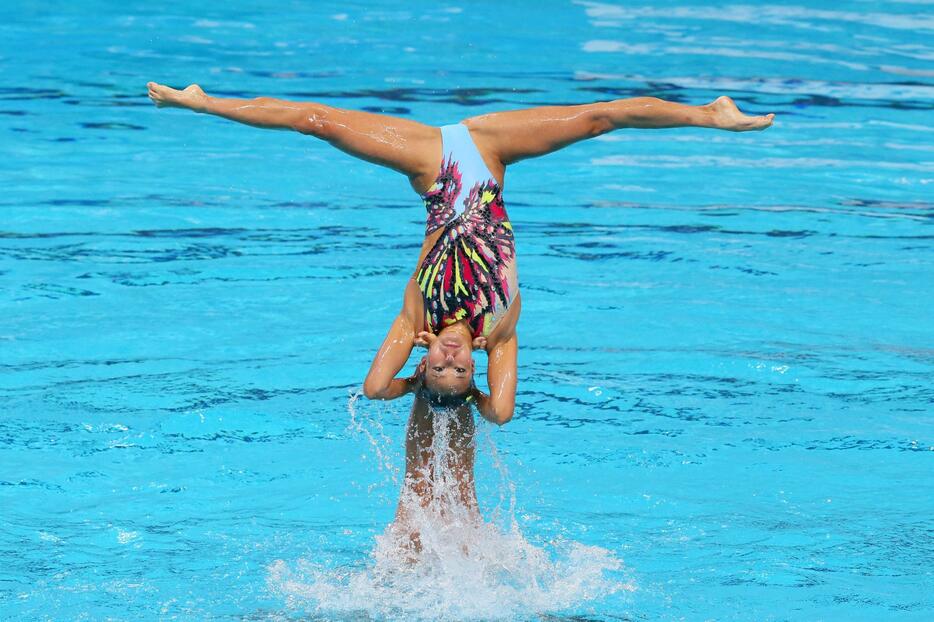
(725, 385)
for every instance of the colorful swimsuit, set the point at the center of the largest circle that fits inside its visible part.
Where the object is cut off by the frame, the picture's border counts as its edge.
(470, 271)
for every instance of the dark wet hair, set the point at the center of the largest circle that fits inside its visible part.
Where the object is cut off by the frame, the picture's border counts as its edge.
(445, 401)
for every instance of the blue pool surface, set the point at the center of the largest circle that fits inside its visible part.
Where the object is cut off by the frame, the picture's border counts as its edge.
(725, 383)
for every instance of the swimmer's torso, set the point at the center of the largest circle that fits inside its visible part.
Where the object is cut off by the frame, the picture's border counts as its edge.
(469, 269)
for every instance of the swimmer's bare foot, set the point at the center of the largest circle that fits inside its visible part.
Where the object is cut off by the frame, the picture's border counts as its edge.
(163, 96)
(726, 116)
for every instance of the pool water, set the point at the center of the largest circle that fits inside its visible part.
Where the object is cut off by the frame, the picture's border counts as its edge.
(725, 384)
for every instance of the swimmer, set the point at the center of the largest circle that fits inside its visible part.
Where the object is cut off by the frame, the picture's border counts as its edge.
(463, 294)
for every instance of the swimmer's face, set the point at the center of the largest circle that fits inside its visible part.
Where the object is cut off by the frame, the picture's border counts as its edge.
(449, 363)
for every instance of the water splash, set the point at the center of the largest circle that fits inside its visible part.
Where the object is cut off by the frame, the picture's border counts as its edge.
(462, 567)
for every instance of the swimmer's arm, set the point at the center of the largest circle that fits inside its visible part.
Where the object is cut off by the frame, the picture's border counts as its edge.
(381, 383)
(498, 406)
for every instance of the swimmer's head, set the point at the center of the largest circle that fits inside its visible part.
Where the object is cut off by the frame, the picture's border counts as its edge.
(449, 364)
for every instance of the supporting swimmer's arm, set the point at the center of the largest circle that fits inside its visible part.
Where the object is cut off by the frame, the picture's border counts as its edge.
(498, 406)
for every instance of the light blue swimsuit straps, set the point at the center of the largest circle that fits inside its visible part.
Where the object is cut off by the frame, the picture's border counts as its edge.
(462, 171)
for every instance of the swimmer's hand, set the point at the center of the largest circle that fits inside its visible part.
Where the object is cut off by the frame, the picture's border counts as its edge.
(192, 97)
(726, 116)
(424, 339)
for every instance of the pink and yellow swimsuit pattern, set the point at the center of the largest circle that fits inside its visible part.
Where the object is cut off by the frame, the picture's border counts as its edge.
(470, 271)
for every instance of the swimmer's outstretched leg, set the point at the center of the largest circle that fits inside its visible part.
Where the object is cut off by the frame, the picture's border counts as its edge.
(403, 145)
(520, 134)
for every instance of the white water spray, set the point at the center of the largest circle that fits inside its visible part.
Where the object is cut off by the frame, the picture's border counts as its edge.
(462, 566)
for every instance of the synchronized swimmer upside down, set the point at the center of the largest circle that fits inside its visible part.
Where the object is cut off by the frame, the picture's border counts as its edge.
(464, 292)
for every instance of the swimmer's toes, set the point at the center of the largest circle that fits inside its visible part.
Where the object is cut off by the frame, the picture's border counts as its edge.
(764, 122)
(162, 96)
(155, 94)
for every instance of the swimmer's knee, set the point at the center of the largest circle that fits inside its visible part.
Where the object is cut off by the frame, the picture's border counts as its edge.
(314, 121)
(599, 121)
